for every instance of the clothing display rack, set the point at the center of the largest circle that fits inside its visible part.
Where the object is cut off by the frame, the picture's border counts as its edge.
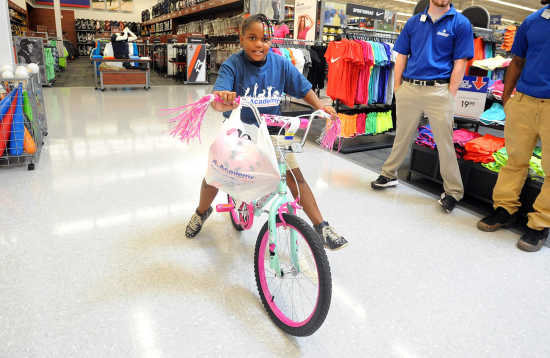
(366, 142)
(289, 106)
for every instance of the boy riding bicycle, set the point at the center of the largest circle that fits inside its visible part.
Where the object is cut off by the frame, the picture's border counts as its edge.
(263, 77)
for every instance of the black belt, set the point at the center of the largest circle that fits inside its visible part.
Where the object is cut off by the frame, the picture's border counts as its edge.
(427, 82)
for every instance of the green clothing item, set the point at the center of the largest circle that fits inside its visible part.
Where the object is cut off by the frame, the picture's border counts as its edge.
(49, 64)
(63, 59)
(27, 108)
(501, 158)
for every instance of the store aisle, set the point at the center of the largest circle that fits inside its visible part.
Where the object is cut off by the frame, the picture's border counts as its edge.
(80, 73)
(94, 262)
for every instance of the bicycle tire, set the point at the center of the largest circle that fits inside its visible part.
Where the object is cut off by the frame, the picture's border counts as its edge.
(324, 293)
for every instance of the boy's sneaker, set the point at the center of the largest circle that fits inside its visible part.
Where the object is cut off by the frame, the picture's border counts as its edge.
(330, 238)
(532, 240)
(447, 202)
(195, 224)
(500, 218)
(383, 182)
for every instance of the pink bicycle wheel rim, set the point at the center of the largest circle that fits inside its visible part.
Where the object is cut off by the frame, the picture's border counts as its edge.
(267, 294)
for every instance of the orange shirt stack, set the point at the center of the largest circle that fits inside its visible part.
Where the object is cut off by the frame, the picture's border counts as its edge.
(509, 37)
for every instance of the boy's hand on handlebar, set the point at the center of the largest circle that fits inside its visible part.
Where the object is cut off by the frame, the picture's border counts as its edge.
(331, 111)
(228, 101)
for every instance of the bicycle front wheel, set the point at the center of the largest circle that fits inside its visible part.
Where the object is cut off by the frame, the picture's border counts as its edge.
(298, 298)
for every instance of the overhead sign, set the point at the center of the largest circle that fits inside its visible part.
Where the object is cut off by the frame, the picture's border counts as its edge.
(495, 19)
(67, 3)
(365, 11)
(471, 97)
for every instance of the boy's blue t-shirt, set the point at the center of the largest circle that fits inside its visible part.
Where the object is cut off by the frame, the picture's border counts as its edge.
(262, 85)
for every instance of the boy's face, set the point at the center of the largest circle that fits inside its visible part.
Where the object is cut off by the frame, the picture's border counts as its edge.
(255, 42)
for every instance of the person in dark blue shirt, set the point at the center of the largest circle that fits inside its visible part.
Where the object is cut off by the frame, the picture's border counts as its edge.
(433, 50)
(527, 120)
(258, 75)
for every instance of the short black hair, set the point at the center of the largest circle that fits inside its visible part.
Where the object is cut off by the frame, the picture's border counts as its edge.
(261, 18)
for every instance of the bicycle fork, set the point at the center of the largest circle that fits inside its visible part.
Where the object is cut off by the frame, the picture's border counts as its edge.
(277, 209)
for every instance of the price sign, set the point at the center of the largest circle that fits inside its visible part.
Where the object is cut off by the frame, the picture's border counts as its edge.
(471, 97)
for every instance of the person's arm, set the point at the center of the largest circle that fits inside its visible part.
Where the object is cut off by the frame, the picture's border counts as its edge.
(130, 35)
(314, 101)
(310, 22)
(228, 103)
(399, 68)
(512, 75)
(457, 75)
(224, 87)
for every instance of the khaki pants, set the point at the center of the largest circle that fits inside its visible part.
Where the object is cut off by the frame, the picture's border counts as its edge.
(437, 103)
(527, 119)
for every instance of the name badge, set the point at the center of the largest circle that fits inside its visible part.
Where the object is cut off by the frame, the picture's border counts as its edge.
(424, 17)
(546, 14)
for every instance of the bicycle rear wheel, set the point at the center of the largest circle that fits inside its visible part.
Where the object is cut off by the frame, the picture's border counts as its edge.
(296, 300)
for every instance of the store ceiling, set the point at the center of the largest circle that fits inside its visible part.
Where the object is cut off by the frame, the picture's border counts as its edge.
(495, 8)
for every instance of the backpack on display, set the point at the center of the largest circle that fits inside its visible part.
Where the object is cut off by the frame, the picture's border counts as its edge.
(478, 16)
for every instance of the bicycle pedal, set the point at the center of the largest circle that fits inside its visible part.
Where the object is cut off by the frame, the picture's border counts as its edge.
(223, 208)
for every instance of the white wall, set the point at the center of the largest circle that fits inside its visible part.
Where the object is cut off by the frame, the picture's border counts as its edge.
(6, 47)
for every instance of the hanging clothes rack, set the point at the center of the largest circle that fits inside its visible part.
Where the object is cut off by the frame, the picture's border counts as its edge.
(366, 142)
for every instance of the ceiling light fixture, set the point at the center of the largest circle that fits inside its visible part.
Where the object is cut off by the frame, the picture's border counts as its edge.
(407, 1)
(513, 5)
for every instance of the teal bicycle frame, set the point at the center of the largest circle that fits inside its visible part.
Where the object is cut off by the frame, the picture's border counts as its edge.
(282, 203)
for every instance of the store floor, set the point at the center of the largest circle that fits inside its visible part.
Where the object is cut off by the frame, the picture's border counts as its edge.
(80, 73)
(94, 262)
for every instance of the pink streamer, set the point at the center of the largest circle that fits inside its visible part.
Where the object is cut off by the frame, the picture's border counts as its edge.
(330, 134)
(189, 121)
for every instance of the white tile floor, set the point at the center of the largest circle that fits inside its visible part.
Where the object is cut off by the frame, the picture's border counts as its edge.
(94, 262)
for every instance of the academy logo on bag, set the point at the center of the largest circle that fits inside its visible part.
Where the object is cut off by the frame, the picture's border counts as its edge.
(231, 172)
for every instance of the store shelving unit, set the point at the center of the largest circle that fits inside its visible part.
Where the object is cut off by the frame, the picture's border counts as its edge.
(18, 19)
(192, 10)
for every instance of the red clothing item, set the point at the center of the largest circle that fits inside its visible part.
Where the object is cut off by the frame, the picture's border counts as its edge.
(356, 63)
(336, 55)
(360, 123)
(479, 53)
(481, 149)
(344, 59)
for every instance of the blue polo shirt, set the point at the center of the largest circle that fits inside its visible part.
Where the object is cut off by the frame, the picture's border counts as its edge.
(433, 47)
(531, 43)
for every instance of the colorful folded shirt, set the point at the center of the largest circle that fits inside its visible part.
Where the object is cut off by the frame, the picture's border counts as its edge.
(492, 63)
(481, 149)
(425, 137)
(460, 138)
(494, 115)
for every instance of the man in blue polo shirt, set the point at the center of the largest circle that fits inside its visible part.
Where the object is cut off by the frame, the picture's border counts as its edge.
(433, 50)
(527, 120)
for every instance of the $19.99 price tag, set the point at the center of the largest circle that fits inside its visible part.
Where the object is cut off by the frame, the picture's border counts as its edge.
(471, 97)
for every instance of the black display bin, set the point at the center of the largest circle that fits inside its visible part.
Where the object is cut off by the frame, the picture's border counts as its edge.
(478, 180)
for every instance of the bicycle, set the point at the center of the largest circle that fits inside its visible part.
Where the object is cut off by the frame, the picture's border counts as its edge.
(290, 262)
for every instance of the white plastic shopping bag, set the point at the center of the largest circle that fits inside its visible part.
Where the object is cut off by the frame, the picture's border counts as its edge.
(243, 167)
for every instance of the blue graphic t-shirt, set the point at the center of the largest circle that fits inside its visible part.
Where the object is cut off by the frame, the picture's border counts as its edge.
(262, 85)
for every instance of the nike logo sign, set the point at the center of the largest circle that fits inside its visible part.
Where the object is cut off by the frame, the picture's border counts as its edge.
(379, 14)
(334, 59)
